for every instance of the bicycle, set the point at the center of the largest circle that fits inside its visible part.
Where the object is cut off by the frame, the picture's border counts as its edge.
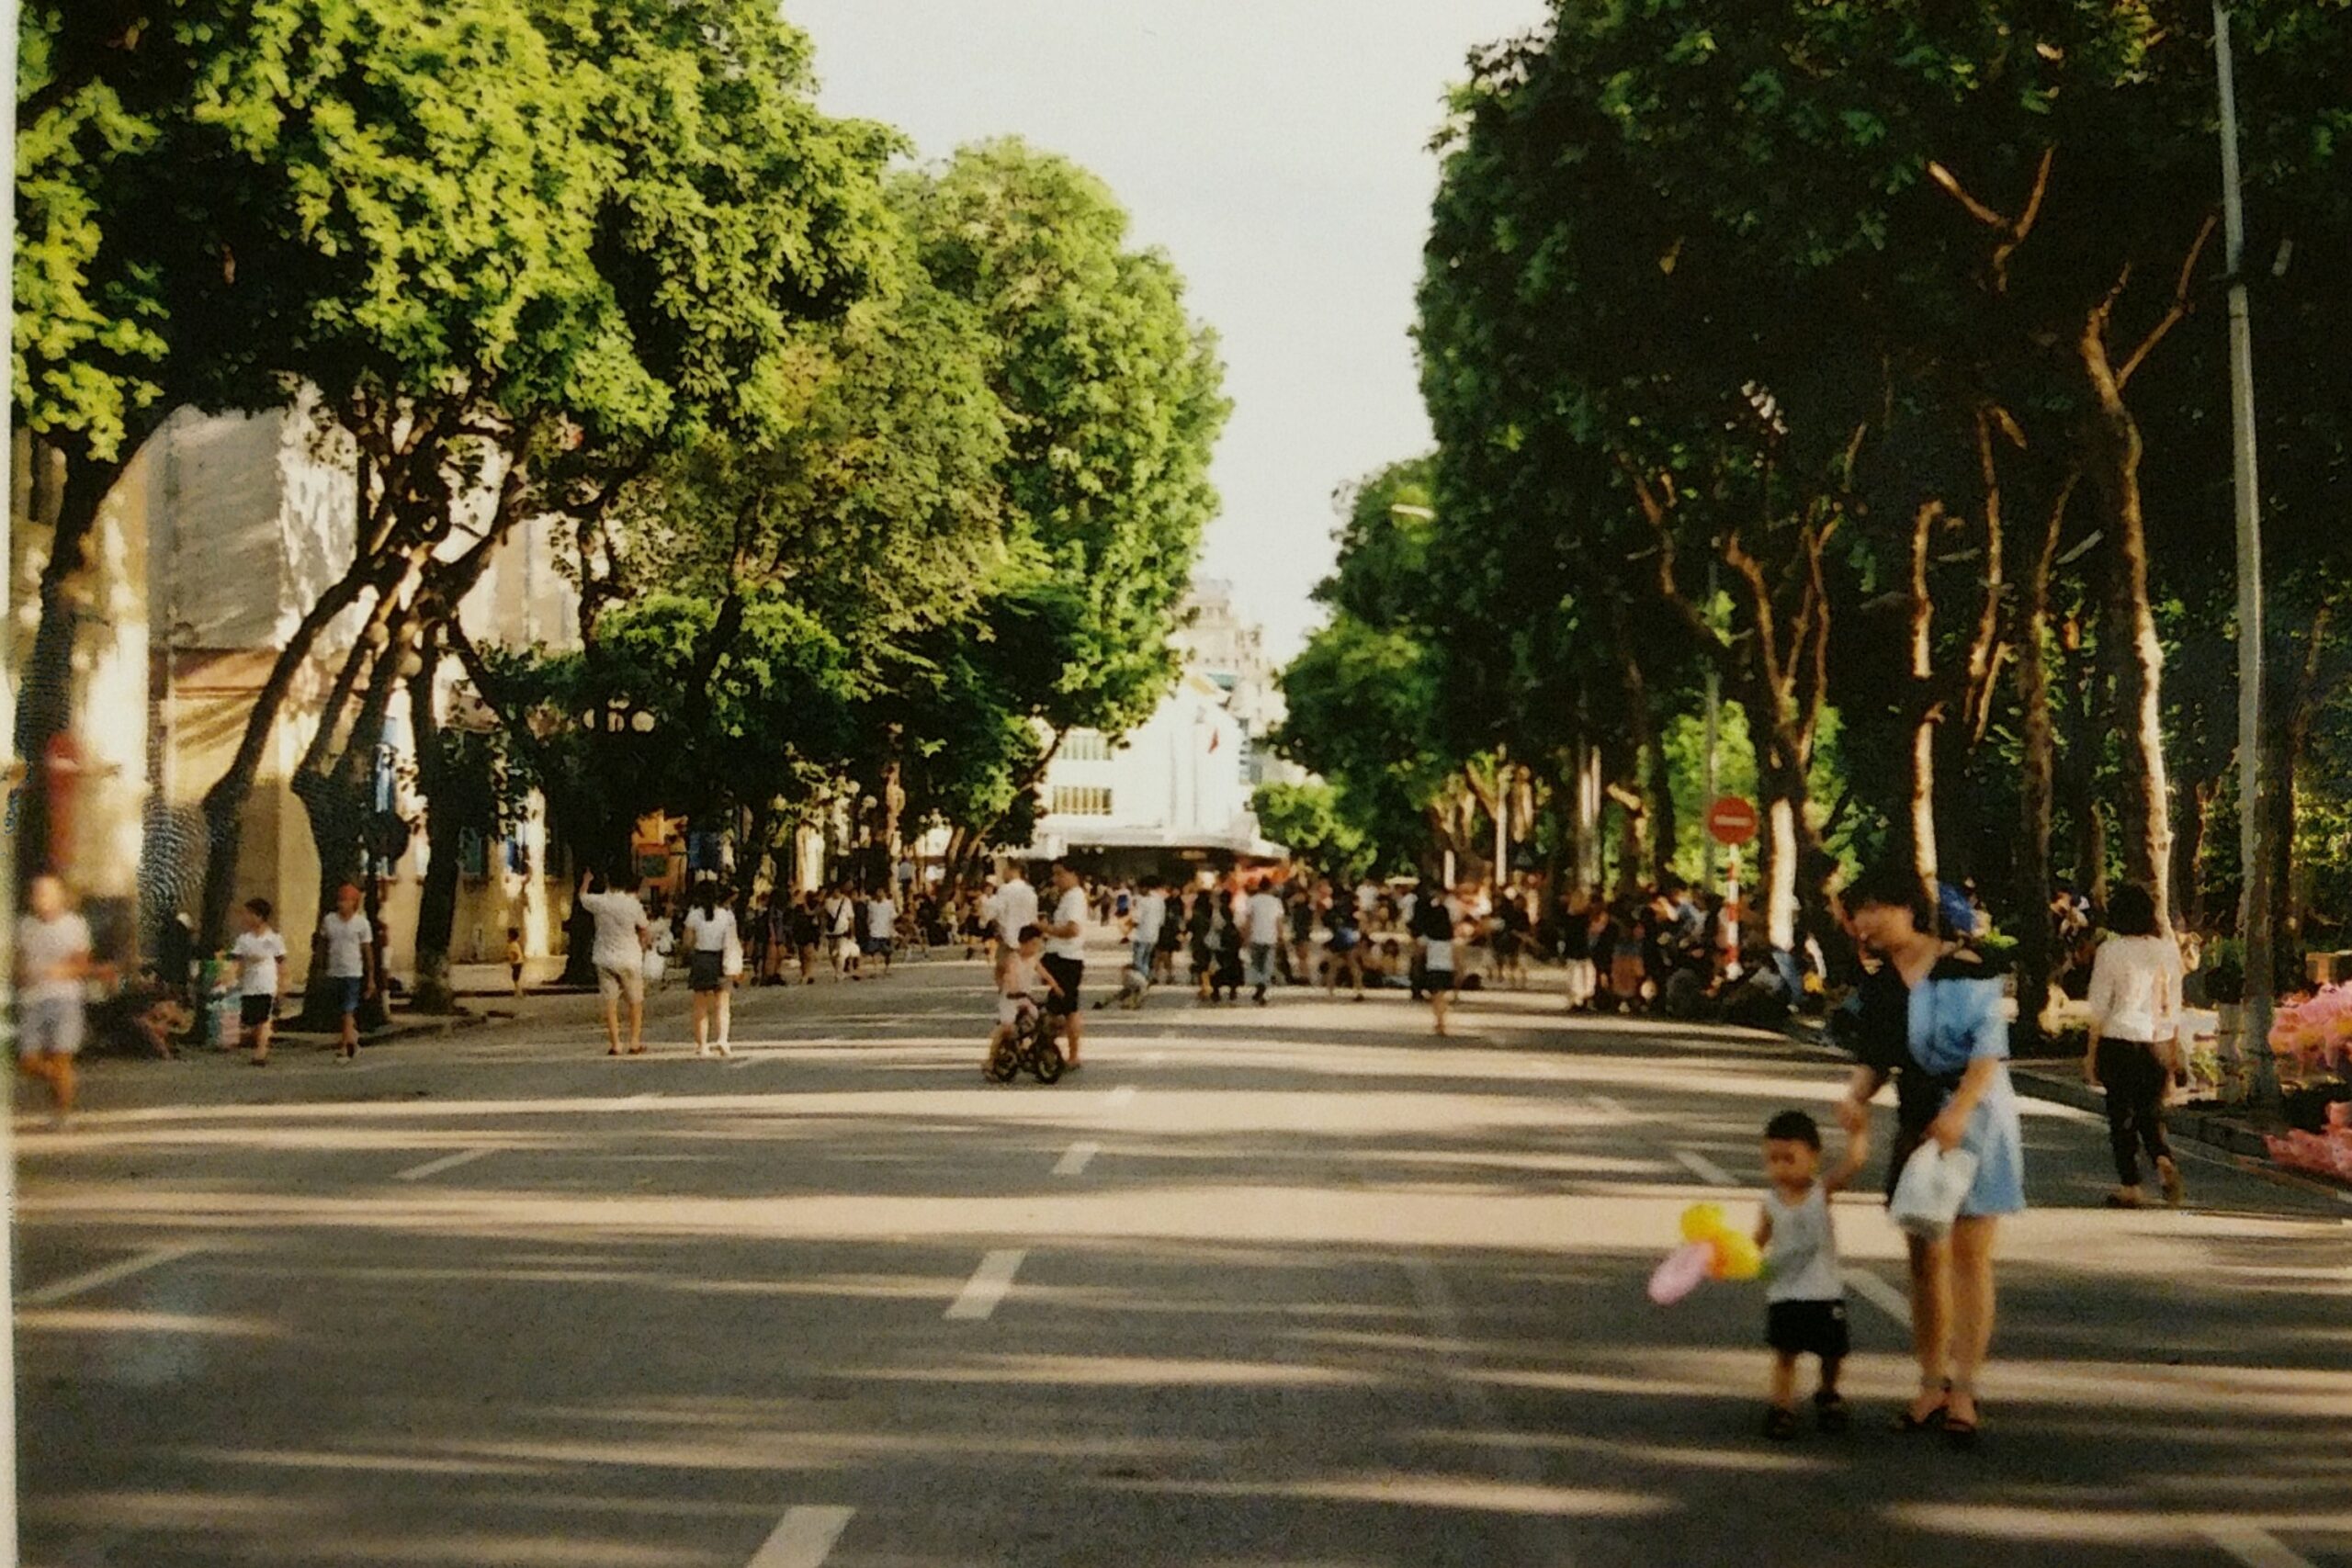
(1031, 1049)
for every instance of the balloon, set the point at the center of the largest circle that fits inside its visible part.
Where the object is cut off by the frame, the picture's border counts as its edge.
(1732, 1256)
(1684, 1269)
(1702, 1221)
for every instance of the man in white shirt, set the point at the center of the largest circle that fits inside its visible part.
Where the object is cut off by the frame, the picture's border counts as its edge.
(1265, 926)
(623, 934)
(1065, 957)
(1149, 914)
(881, 927)
(52, 969)
(1016, 906)
(350, 941)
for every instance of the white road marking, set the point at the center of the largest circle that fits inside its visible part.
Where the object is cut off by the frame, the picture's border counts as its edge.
(75, 1284)
(1609, 1107)
(1122, 1095)
(1075, 1161)
(988, 1285)
(2254, 1548)
(641, 1099)
(435, 1166)
(1702, 1168)
(804, 1538)
(1153, 1059)
(1880, 1294)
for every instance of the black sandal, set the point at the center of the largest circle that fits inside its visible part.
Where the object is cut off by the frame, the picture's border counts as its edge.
(1829, 1412)
(1780, 1424)
(1906, 1422)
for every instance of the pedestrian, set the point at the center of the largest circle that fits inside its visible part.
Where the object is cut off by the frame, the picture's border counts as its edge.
(1513, 931)
(808, 934)
(1265, 932)
(1200, 930)
(515, 957)
(1020, 971)
(1930, 1018)
(1344, 953)
(1171, 937)
(260, 953)
(841, 917)
(881, 928)
(1065, 958)
(1436, 928)
(623, 934)
(1805, 1291)
(1148, 915)
(1576, 927)
(710, 929)
(53, 970)
(350, 942)
(1014, 905)
(1227, 943)
(2135, 1040)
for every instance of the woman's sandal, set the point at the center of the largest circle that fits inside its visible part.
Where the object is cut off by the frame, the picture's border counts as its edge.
(1905, 1421)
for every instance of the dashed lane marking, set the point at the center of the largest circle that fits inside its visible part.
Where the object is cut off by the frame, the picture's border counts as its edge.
(1880, 1294)
(1609, 1107)
(2254, 1547)
(1702, 1168)
(803, 1538)
(1075, 1161)
(435, 1166)
(75, 1284)
(988, 1285)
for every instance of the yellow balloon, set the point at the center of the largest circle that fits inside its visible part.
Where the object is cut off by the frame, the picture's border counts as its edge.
(1737, 1256)
(1703, 1222)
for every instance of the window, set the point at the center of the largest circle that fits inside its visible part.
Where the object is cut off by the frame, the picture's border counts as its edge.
(1085, 745)
(1080, 800)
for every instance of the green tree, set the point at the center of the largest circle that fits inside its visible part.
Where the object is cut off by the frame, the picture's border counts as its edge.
(1307, 819)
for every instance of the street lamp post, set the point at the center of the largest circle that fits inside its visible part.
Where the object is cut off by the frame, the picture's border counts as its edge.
(2254, 907)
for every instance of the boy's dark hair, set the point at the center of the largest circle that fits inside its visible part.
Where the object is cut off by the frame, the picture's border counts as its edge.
(2132, 911)
(1794, 1127)
(1894, 887)
(1029, 934)
(514, 931)
(259, 908)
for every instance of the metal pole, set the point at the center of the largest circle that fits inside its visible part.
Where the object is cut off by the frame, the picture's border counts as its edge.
(2254, 909)
(1707, 846)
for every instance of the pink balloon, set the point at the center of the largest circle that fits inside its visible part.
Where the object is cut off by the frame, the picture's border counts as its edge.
(1683, 1271)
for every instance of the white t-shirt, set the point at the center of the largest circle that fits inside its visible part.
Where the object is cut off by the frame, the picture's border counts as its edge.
(2135, 988)
(258, 954)
(1151, 916)
(44, 947)
(1069, 911)
(619, 917)
(1016, 906)
(348, 940)
(1265, 920)
(709, 933)
(881, 919)
(841, 917)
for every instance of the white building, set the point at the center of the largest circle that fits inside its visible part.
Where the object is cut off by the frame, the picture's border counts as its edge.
(1175, 793)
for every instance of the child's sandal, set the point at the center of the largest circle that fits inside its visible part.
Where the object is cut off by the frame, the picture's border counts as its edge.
(1780, 1424)
(1829, 1413)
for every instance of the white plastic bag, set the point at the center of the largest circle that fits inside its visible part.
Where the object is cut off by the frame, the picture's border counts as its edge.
(1933, 1185)
(656, 965)
(732, 964)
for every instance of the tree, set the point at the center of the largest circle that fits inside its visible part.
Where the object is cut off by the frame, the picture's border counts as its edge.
(1306, 818)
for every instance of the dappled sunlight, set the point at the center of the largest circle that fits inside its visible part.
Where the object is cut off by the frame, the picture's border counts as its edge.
(1619, 1452)
(1397, 1490)
(1119, 1371)
(2097, 1526)
(102, 1320)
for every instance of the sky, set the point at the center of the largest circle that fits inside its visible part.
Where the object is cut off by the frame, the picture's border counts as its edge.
(1278, 150)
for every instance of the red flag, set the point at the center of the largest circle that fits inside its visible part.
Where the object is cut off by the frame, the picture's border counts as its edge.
(1216, 737)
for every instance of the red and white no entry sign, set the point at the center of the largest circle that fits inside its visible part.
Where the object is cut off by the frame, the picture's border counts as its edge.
(1733, 821)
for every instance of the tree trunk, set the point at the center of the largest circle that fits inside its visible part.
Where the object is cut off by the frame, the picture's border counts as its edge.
(444, 824)
(2293, 698)
(1927, 712)
(2037, 787)
(45, 693)
(2137, 655)
(2188, 852)
(2078, 761)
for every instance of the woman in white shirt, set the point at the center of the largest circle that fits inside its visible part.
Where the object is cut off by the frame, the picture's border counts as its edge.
(710, 931)
(2134, 1040)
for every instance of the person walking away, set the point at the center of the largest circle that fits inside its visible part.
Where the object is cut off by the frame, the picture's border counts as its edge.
(515, 958)
(53, 970)
(881, 928)
(1065, 958)
(1435, 924)
(260, 953)
(1265, 937)
(1298, 952)
(1149, 914)
(2135, 1040)
(1575, 951)
(624, 932)
(1172, 936)
(841, 930)
(350, 941)
(1805, 1291)
(1200, 929)
(710, 927)
(808, 934)
(1930, 1018)
(1345, 951)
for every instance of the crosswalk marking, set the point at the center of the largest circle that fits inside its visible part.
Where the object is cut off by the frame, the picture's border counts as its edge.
(988, 1285)
(803, 1538)
(1075, 1161)
(1702, 1168)
(75, 1284)
(1880, 1294)
(435, 1166)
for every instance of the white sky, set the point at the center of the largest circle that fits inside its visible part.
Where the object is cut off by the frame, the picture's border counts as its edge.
(1277, 148)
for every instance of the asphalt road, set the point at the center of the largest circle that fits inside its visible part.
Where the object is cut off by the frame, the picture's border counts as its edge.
(1295, 1286)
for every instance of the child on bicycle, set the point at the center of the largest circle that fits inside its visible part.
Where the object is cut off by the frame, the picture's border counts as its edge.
(1020, 971)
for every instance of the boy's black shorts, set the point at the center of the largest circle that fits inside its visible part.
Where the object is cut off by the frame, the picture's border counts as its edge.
(1807, 1328)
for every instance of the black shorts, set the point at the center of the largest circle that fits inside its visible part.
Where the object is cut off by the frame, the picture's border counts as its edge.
(1438, 982)
(1807, 1328)
(1070, 975)
(255, 1011)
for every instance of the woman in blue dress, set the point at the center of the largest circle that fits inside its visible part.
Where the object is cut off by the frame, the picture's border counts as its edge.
(1932, 1021)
